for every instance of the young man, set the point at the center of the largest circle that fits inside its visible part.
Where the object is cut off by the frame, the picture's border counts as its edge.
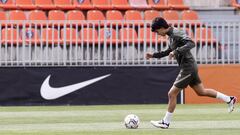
(179, 48)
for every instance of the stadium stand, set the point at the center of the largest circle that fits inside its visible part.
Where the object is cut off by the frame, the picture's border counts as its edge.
(10, 36)
(50, 36)
(158, 4)
(177, 4)
(37, 15)
(30, 36)
(146, 35)
(171, 15)
(96, 16)
(56, 17)
(83, 4)
(139, 4)
(3, 16)
(114, 17)
(25, 4)
(9, 4)
(89, 35)
(45, 5)
(76, 17)
(121, 4)
(205, 36)
(235, 3)
(64, 4)
(93, 4)
(102, 4)
(70, 35)
(109, 35)
(134, 16)
(192, 16)
(17, 15)
(112, 20)
(149, 15)
(128, 35)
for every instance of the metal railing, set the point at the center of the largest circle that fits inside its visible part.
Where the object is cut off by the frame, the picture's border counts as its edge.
(111, 43)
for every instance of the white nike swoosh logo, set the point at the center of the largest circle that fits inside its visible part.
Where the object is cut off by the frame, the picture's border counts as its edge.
(50, 93)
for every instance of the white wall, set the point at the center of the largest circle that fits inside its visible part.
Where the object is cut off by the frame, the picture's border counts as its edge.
(207, 3)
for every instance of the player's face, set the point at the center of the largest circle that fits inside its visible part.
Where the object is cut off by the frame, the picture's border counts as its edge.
(161, 31)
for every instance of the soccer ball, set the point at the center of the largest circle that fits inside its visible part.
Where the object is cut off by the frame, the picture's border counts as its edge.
(131, 121)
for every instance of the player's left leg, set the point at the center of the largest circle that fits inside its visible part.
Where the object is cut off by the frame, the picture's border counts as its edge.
(201, 91)
(172, 101)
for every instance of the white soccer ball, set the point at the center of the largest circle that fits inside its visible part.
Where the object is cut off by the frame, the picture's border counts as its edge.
(131, 121)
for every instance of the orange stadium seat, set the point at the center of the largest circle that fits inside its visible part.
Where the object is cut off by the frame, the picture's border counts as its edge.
(192, 16)
(134, 16)
(171, 15)
(114, 15)
(149, 37)
(64, 4)
(18, 16)
(57, 16)
(149, 15)
(121, 4)
(177, 4)
(75, 17)
(158, 4)
(102, 4)
(83, 4)
(69, 35)
(10, 36)
(128, 35)
(139, 4)
(205, 36)
(50, 36)
(37, 16)
(3, 16)
(45, 4)
(109, 35)
(30, 35)
(96, 17)
(89, 35)
(9, 4)
(25, 4)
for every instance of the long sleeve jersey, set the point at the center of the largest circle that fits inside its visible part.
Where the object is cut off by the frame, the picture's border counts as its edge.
(181, 45)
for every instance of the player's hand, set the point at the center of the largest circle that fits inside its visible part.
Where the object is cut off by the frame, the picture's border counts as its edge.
(171, 55)
(149, 55)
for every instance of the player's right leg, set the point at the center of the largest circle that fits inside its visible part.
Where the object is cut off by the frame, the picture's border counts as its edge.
(201, 91)
(231, 103)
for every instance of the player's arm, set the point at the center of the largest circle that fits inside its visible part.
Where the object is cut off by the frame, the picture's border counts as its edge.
(189, 44)
(159, 54)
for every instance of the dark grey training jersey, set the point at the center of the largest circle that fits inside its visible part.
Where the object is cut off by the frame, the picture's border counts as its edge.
(181, 45)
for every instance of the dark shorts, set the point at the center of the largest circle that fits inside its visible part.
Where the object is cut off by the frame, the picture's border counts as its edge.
(187, 78)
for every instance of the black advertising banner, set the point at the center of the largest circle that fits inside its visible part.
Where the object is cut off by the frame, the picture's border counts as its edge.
(86, 86)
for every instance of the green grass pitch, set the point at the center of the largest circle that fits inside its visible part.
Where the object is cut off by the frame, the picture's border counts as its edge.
(210, 119)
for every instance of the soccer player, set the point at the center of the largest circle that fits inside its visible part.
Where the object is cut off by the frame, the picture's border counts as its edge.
(179, 48)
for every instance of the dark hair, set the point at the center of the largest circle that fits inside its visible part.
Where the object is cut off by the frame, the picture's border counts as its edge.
(158, 23)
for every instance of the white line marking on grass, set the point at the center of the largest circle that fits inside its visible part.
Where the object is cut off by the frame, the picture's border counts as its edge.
(118, 126)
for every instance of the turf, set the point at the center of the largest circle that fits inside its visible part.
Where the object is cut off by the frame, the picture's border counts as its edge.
(210, 119)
